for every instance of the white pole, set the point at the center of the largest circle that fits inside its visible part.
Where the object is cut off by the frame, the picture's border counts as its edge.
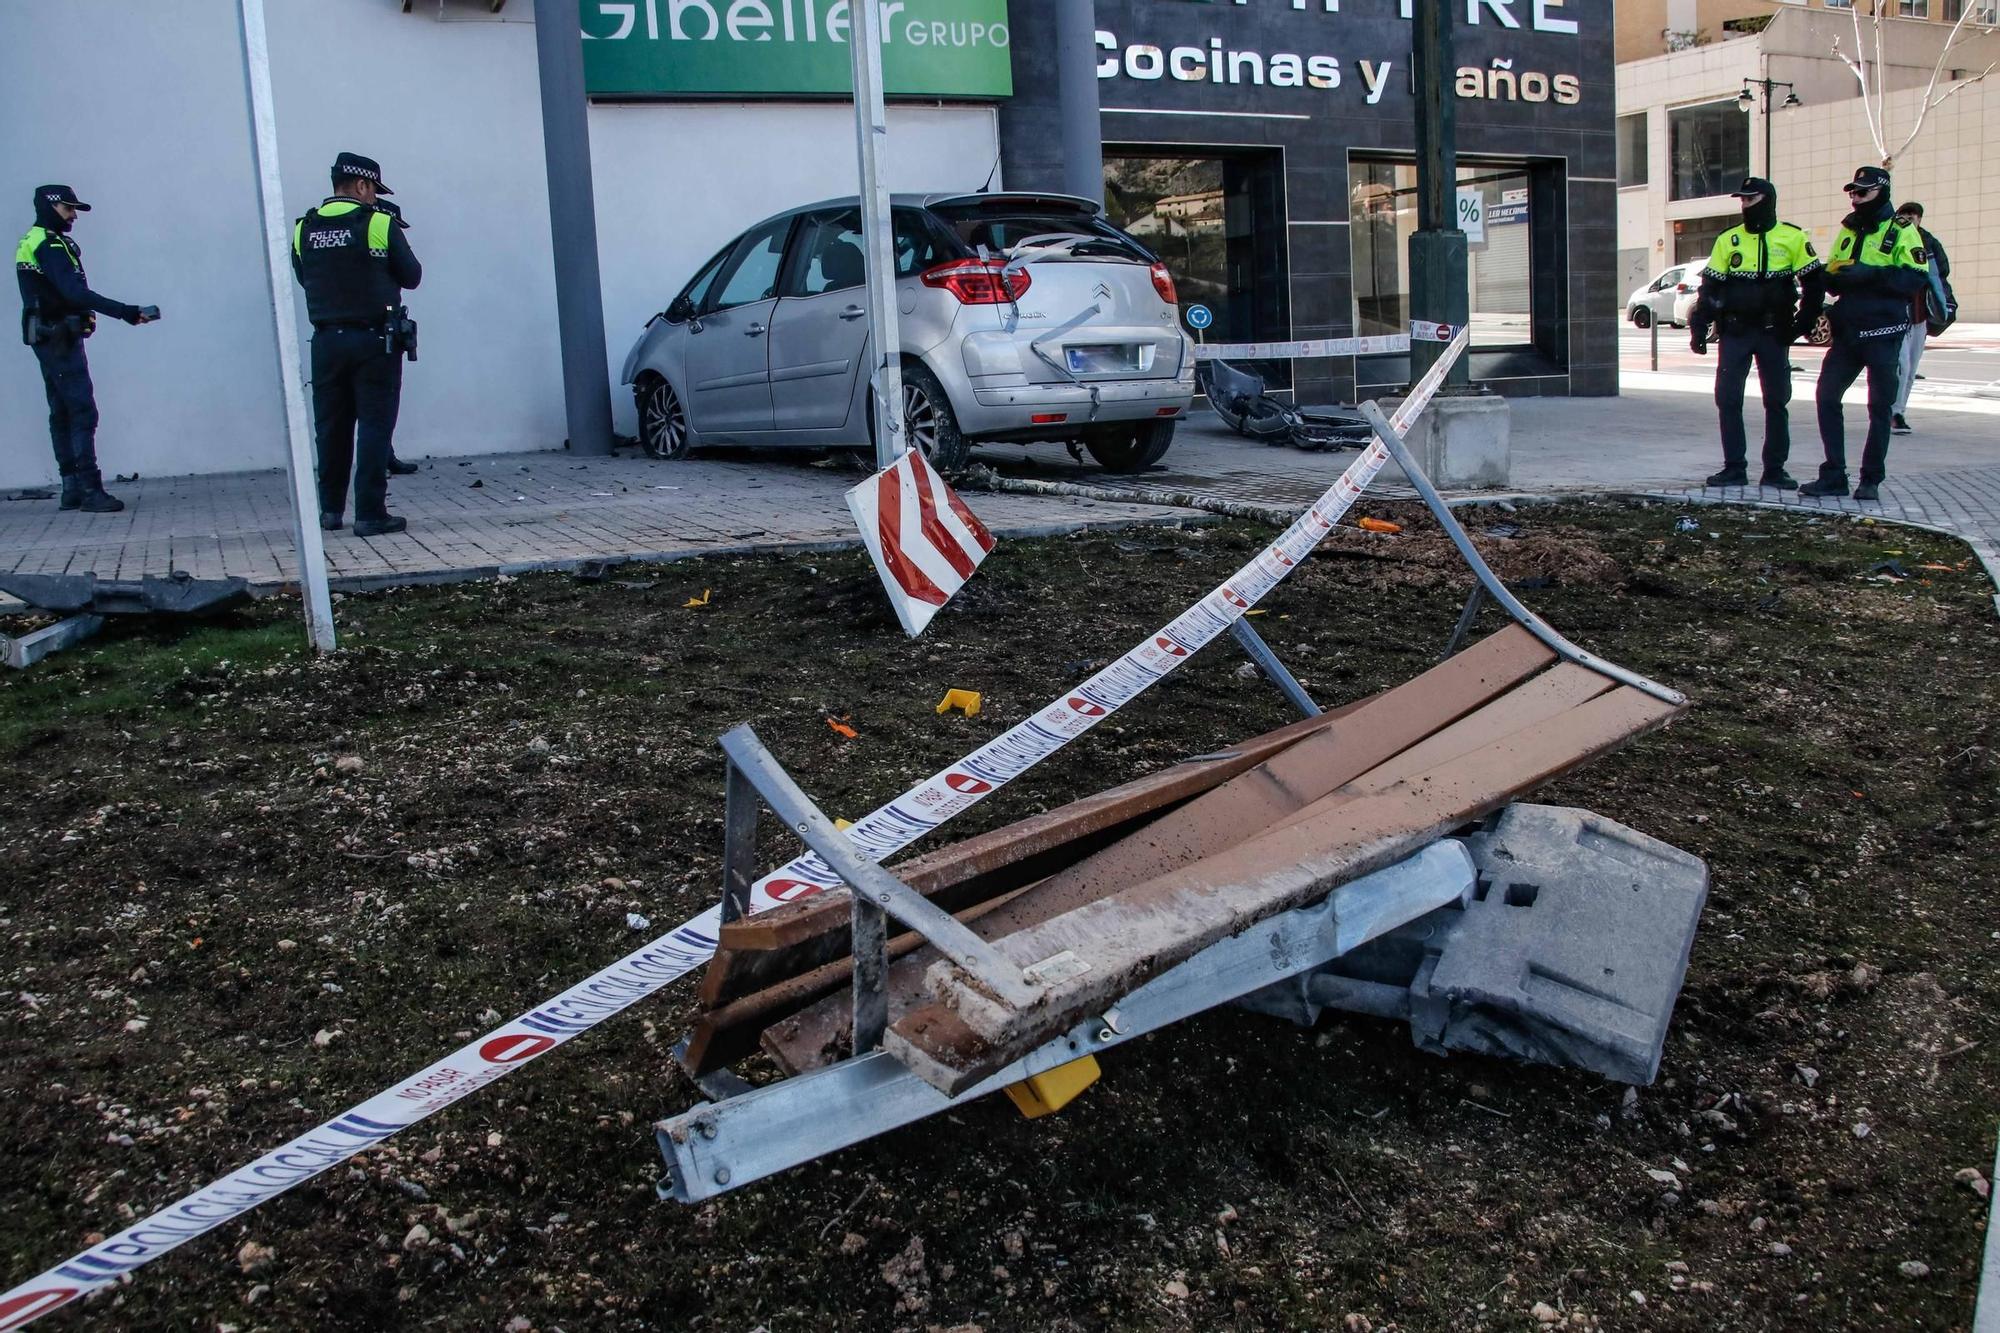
(871, 130)
(284, 315)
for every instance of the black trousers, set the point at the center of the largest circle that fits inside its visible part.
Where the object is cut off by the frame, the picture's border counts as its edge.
(72, 406)
(1772, 351)
(357, 388)
(1846, 358)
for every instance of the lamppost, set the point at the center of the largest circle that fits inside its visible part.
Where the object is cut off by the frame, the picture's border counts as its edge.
(1747, 99)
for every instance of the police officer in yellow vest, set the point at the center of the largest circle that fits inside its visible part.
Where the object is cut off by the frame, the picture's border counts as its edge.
(353, 261)
(1764, 286)
(1875, 269)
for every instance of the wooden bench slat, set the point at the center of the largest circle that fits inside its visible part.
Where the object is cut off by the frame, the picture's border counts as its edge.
(1130, 936)
(1375, 731)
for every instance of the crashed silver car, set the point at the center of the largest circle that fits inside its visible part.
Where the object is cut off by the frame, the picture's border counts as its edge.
(1024, 317)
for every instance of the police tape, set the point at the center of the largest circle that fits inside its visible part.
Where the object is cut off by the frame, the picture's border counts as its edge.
(942, 796)
(1374, 345)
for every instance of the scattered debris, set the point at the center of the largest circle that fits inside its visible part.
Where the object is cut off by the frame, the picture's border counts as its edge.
(965, 701)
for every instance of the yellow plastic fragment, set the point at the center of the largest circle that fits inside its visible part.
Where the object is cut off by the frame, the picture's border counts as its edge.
(843, 823)
(699, 601)
(1047, 1093)
(965, 701)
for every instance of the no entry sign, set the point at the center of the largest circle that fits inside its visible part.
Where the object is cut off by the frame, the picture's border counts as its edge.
(924, 541)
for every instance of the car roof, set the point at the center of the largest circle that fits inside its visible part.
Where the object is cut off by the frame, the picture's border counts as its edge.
(936, 198)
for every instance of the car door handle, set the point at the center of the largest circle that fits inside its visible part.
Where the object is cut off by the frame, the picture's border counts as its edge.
(755, 331)
(854, 312)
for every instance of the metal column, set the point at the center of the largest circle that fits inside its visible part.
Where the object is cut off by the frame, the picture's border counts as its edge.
(871, 131)
(1076, 98)
(285, 317)
(573, 227)
(1437, 248)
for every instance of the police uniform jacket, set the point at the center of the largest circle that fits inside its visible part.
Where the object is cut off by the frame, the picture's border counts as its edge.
(353, 262)
(1876, 268)
(1761, 279)
(49, 267)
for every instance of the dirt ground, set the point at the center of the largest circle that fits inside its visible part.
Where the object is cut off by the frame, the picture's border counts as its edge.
(241, 891)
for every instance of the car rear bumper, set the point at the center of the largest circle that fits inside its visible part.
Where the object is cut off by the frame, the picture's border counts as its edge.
(1014, 408)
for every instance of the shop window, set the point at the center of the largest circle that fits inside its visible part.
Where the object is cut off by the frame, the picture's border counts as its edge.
(1217, 221)
(1710, 149)
(1382, 213)
(1632, 150)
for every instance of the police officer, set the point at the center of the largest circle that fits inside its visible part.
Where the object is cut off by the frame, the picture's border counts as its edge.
(353, 262)
(1876, 268)
(58, 311)
(1764, 285)
(397, 467)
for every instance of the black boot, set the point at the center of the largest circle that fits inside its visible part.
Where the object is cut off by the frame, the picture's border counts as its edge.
(1779, 480)
(379, 527)
(398, 468)
(72, 491)
(1835, 486)
(1867, 491)
(1729, 476)
(97, 500)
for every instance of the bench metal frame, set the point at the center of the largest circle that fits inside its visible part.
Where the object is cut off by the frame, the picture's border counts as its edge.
(747, 1133)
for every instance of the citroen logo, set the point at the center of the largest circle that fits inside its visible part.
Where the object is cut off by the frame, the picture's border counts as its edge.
(1103, 290)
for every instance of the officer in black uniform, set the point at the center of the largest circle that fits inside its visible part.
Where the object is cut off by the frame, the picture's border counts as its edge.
(58, 311)
(397, 467)
(353, 261)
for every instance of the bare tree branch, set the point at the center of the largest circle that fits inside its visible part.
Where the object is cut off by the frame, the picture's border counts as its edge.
(1930, 105)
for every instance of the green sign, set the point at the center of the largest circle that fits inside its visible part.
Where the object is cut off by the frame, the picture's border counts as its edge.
(776, 48)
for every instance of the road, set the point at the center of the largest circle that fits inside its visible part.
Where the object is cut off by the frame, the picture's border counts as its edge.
(1958, 365)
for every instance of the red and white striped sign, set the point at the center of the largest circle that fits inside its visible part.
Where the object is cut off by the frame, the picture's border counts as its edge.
(924, 541)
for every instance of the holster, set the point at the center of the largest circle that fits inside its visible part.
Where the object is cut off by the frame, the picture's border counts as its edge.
(63, 329)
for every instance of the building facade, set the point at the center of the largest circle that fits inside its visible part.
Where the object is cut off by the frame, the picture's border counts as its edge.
(1277, 181)
(1301, 118)
(1687, 136)
(1649, 28)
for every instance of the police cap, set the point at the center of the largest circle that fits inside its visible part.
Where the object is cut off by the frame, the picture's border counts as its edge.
(1868, 178)
(1755, 185)
(60, 194)
(353, 166)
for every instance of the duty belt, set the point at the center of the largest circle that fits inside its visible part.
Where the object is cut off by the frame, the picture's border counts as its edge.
(350, 325)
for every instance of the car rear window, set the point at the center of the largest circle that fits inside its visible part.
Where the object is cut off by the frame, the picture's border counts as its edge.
(1001, 229)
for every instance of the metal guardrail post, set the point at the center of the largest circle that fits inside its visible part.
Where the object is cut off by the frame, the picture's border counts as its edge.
(1498, 591)
(1464, 626)
(991, 969)
(739, 843)
(1267, 661)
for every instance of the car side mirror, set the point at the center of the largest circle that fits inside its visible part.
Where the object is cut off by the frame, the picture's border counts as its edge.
(681, 310)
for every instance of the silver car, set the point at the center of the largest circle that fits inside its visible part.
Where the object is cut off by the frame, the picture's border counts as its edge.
(1667, 299)
(1024, 317)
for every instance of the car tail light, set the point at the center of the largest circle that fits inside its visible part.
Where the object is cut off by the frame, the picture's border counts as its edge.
(1048, 418)
(1163, 283)
(1167, 412)
(979, 281)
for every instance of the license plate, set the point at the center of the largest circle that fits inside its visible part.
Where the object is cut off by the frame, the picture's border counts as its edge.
(1105, 358)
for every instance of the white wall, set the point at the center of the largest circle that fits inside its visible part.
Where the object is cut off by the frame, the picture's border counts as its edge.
(174, 224)
(676, 183)
(158, 139)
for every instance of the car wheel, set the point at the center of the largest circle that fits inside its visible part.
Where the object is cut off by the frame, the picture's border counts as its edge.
(1822, 332)
(663, 430)
(1132, 450)
(928, 421)
(1642, 318)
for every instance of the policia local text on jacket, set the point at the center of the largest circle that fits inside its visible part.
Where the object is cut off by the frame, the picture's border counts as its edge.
(1765, 286)
(353, 262)
(59, 311)
(1875, 269)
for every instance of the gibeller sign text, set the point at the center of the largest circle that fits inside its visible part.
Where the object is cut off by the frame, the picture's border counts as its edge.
(780, 48)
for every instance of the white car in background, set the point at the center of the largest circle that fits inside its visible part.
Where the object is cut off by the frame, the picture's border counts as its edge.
(1668, 298)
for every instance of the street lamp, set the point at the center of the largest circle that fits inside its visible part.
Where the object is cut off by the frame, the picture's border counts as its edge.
(1747, 99)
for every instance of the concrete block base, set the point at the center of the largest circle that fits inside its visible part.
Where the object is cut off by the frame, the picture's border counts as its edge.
(1463, 442)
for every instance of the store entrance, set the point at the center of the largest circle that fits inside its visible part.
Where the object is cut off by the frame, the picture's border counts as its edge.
(1217, 220)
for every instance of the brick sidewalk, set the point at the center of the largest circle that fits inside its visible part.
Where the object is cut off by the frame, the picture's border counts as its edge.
(504, 513)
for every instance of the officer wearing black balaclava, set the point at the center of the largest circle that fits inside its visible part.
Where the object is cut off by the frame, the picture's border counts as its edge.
(1763, 287)
(59, 311)
(1875, 269)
